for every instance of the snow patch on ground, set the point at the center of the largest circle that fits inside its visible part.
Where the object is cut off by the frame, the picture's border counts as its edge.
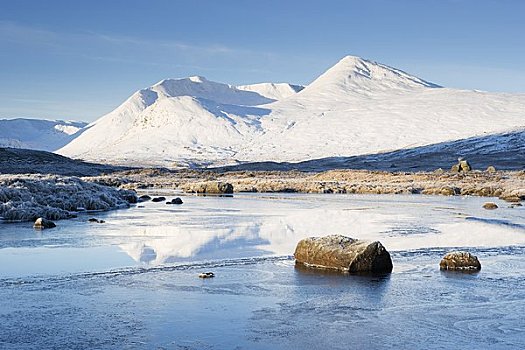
(27, 197)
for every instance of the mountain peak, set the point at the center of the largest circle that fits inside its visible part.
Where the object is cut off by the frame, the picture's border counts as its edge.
(198, 79)
(359, 75)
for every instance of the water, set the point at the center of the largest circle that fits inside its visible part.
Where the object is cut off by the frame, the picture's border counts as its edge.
(132, 282)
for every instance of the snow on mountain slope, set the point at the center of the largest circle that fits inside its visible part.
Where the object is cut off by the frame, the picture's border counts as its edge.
(274, 91)
(355, 107)
(45, 135)
(359, 107)
(175, 120)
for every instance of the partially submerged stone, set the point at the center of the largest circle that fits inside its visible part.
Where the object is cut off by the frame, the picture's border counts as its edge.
(206, 275)
(490, 206)
(344, 254)
(144, 198)
(158, 199)
(42, 223)
(459, 260)
(95, 220)
(175, 201)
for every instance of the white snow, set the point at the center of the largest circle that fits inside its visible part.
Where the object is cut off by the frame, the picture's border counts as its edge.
(45, 135)
(356, 107)
(27, 197)
(274, 91)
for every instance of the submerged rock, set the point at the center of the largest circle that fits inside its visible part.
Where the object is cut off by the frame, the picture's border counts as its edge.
(144, 198)
(490, 206)
(95, 220)
(175, 201)
(42, 223)
(206, 275)
(158, 199)
(459, 260)
(344, 254)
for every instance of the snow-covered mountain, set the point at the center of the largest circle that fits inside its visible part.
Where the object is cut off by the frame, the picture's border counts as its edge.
(46, 135)
(355, 107)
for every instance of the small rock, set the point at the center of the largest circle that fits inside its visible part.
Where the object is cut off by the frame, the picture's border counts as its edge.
(459, 260)
(206, 275)
(42, 223)
(464, 165)
(158, 199)
(176, 201)
(343, 253)
(461, 166)
(144, 198)
(491, 169)
(96, 220)
(490, 206)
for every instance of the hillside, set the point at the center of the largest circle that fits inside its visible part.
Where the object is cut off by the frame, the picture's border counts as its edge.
(25, 161)
(45, 135)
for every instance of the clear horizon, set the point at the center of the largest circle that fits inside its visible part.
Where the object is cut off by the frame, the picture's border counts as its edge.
(80, 60)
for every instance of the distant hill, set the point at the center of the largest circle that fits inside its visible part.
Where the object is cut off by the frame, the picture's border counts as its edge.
(24, 161)
(46, 135)
(505, 151)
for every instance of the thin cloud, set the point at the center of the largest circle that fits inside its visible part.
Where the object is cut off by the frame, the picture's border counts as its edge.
(12, 32)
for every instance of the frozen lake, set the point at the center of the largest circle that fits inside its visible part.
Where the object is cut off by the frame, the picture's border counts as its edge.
(132, 281)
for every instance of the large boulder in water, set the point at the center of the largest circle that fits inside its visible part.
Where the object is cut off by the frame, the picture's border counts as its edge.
(460, 261)
(344, 254)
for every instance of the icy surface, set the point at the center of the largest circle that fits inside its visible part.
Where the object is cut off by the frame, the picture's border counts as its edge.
(132, 282)
(356, 107)
(45, 135)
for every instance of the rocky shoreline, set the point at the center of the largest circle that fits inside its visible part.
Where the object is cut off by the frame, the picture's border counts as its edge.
(507, 185)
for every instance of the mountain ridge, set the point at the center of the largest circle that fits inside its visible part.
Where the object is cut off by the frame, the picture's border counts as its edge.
(356, 107)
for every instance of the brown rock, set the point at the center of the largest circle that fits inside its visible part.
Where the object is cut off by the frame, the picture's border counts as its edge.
(490, 206)
(459, 260)
(344, 254)
(212, 187)
(510, 198)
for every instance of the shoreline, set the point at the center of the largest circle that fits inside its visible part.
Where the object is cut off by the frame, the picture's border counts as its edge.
(506, 185)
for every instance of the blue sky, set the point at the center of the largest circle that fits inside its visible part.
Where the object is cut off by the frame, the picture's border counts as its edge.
(80, 59)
